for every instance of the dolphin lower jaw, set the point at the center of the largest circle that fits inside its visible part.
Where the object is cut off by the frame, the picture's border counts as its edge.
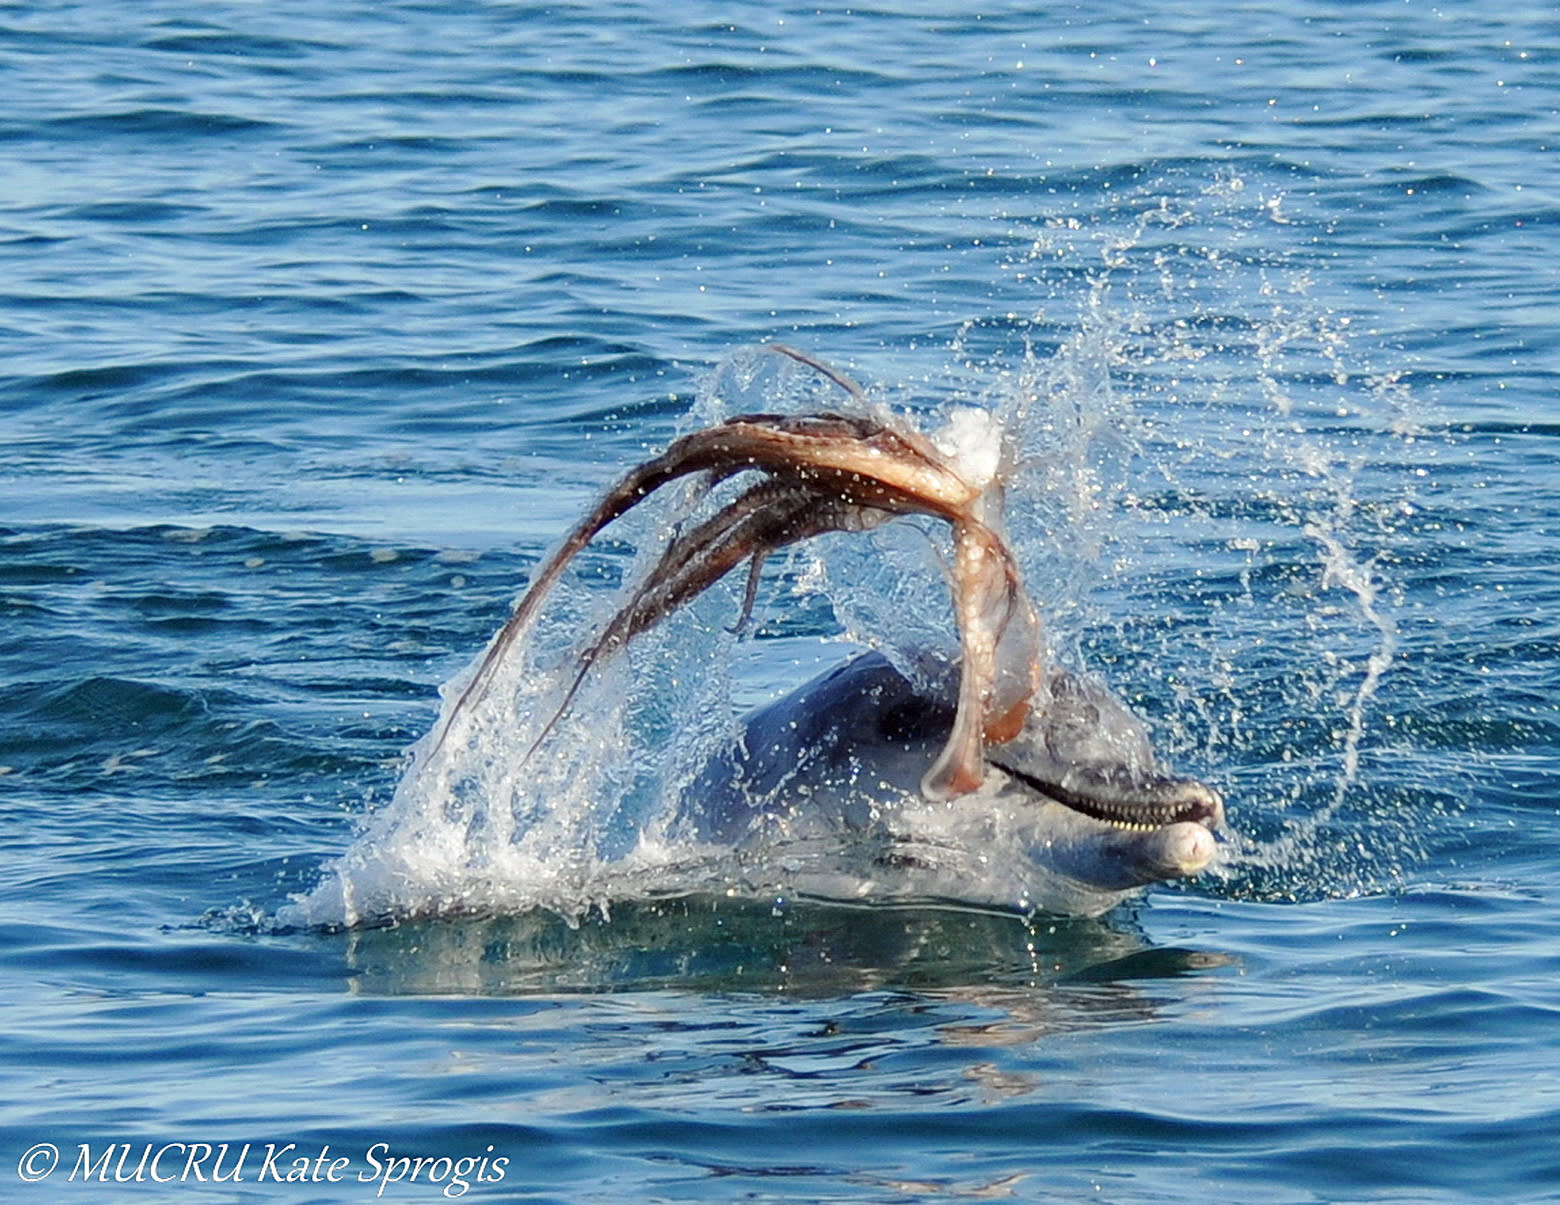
(1179, 851)
(1098, 864)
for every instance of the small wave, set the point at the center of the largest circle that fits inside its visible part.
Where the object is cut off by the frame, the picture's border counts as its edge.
(158, 123)
(226, 43)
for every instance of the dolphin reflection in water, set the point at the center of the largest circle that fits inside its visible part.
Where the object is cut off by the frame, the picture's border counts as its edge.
(1001, 782)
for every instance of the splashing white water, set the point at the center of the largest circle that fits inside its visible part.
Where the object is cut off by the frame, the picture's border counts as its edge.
(1184, 494)
(509, 811)
(1245, 519)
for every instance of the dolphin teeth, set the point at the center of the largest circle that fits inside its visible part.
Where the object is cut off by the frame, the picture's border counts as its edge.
(1142, 809)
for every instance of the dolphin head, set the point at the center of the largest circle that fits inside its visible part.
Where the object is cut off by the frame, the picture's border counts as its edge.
(1071, 816)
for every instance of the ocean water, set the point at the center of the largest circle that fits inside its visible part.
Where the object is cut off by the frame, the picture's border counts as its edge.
(320, 326)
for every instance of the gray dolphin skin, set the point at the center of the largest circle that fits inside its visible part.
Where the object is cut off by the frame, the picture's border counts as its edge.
(1073, 815)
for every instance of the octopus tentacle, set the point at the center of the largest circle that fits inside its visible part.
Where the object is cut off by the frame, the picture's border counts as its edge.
(821, 472)
(999, 642)
(768, 517)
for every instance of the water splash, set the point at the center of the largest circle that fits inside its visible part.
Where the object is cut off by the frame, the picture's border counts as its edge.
(1211, 483)
(1205, 496)
(1249, 508)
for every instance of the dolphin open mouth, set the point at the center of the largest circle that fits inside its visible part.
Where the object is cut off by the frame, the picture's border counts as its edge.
(1133, 803)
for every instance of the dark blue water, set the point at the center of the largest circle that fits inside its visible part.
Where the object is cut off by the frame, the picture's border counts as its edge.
(319, 326)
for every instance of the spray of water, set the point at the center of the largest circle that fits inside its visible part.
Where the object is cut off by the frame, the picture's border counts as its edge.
(1204, 494)
(1240, 481)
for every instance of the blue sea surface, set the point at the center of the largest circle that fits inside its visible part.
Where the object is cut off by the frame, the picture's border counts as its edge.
(319, 325)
